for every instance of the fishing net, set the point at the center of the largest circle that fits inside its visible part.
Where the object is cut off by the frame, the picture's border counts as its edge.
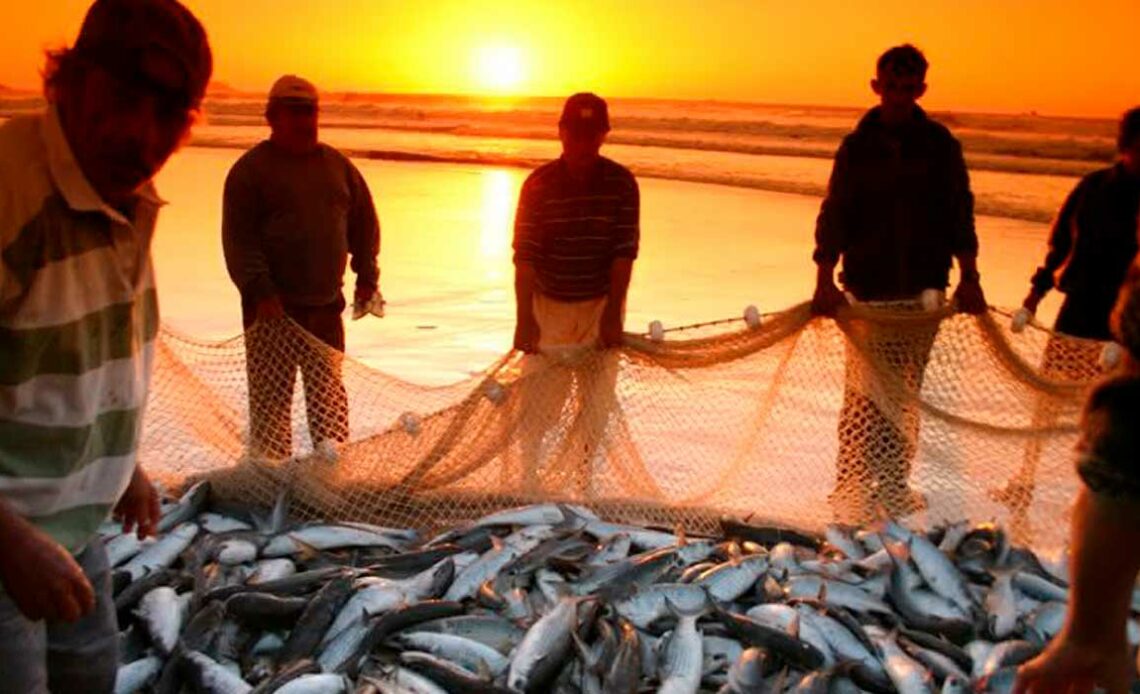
(886, 410)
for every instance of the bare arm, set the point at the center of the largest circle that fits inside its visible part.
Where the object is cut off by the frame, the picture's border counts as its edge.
(1092, 649)
(528, 249)
(613, 316)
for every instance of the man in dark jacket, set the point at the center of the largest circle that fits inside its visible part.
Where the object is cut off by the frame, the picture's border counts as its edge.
(897, 212)
(1092, 242)
(294, 210)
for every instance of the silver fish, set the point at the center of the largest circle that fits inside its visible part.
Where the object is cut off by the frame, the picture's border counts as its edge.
(907, 675)
(472, 655)
(325, 537)
(682, 654)
(212, 676)
(186, 507)
(163, 612)
(316, 684)
(134, 676)
(162, 553)
(545, 647)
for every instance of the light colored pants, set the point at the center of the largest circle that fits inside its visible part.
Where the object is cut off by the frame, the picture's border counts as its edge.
(567, 398)
(38, 657)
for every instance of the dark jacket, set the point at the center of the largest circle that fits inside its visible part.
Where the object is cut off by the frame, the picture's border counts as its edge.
(1094, 237)
(898, 208)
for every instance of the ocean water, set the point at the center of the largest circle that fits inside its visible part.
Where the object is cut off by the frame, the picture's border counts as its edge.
(729, 198)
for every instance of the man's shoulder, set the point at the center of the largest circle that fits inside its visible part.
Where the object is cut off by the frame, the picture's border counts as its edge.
(542, 176)
(25, 178)
(252, 157)
(21, 143)
(615, 172)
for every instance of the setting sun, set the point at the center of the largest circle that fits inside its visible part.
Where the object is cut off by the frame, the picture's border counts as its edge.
(498, 68)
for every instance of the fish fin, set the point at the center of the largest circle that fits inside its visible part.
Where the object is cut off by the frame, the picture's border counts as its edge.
(822, 595)
(497, 543)
(682, 538)
(734, 551)
(280, 513)
(794, 626)
(483, 671)
(305, 551)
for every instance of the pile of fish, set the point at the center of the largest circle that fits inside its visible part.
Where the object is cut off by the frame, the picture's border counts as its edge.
(550, 598)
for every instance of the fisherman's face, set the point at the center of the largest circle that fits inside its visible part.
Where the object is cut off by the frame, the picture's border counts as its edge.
(580, 148)
(898, 93)
(294, 125)
(123, 124)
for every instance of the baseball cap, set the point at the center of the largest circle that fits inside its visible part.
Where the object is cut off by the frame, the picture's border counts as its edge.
(294, 89)
(585, 112)
(119, 34)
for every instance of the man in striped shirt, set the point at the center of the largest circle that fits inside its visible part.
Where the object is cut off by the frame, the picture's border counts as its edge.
(78, 318)
(576, 237)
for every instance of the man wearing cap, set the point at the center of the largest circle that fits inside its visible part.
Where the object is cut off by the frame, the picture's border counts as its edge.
(294, 209)
(576, 237)
(78, 320)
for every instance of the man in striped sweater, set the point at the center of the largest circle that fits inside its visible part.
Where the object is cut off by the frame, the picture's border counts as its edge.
(576, 237)
(78, 319)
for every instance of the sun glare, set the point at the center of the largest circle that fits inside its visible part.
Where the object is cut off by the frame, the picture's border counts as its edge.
(498, 68)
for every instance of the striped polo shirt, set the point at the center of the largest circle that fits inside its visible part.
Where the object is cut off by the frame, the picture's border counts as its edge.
(572, 231)
(78, 319)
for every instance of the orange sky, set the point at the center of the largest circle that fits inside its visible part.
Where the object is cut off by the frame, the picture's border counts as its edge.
(1079, 57)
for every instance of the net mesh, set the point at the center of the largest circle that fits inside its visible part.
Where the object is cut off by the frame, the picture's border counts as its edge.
(887, 410)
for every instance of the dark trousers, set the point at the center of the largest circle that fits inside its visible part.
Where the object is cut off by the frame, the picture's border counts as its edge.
(1086, 315)
(274, 353)
(879, 422)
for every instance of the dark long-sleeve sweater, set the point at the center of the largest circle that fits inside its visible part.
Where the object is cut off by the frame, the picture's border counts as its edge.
(1094, 236)
(898, 208)
(289, 223)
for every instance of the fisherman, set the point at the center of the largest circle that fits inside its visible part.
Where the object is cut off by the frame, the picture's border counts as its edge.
(78, 320)
(576, 237)
(1092, 241)
(294, 209)
(1092, 649)
(898, 210)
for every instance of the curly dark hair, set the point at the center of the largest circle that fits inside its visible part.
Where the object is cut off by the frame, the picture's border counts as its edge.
(903, 60)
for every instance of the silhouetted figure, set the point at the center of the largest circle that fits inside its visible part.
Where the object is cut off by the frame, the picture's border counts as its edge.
(1092, 242)
(78, 328)
(576, 238)
(898, 211)
(294, 210)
